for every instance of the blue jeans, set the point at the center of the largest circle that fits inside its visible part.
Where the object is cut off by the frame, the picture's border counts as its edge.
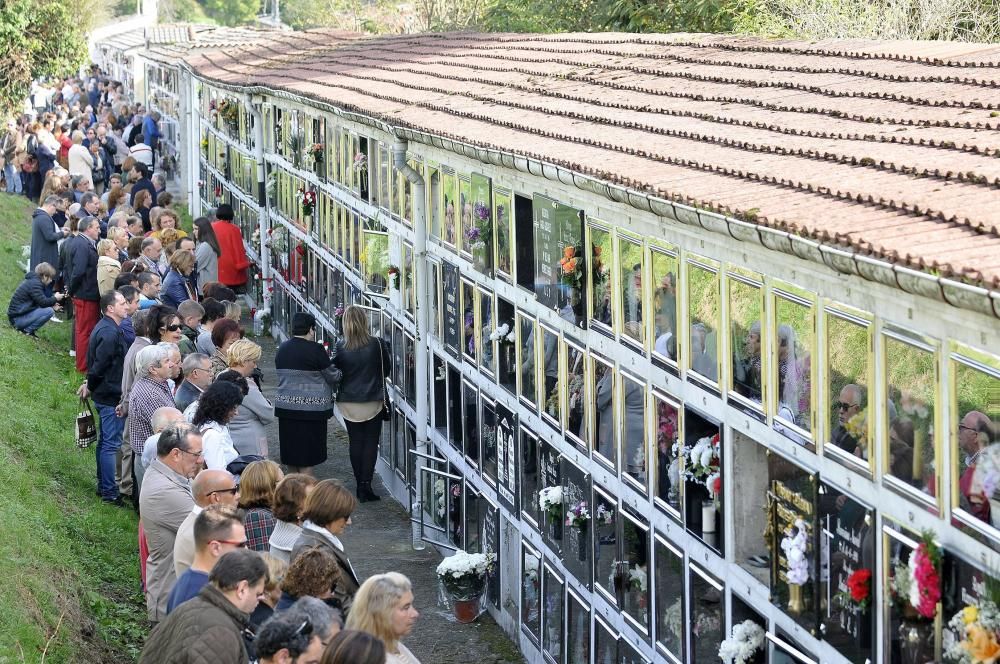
(33, 320)
(107, 450)
(13, 179)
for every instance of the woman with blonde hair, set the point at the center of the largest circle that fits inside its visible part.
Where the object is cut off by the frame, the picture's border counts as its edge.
(364, 361)
(383, 607)
(176, 288)
(108, 265)
(119, 236)
(165, 219)
(276, 570)
(249, 427)
(257, 484)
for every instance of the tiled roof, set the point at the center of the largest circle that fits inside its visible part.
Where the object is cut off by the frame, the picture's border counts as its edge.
(210, 38)
(888, 148)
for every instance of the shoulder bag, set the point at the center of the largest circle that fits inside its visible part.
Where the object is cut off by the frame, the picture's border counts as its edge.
(86, 427)
(385, 391)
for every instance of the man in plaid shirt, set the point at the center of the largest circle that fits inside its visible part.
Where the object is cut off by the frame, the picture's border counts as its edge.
(149, 392)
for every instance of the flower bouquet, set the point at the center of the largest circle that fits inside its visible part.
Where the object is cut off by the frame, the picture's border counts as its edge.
(858, 592)
(393, 274)
(746, 640)
(598, 270)
(474, 239)
(307, 199)
(795, 544)
(463, 577)
(229, 111)
(505, 334)
(577, 518)
(916, 586)
(976, 627)
(550, 500)
(703, 464)
(571, 268)
(360, 166)
(315, 153)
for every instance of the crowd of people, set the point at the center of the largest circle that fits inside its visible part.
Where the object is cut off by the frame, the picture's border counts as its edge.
(240, 560)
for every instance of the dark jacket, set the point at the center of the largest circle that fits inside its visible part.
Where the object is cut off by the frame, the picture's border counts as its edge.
(82, 282)
(348, 584)
(30, 295)
(106, 362)
(205, 630)
(307, 378)
(44, 240)
(363, 371)
(140, 184)
(174, 289)
(186, 395)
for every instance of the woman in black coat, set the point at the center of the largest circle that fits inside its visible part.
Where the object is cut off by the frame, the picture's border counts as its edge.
(365, 362)
(303, 402)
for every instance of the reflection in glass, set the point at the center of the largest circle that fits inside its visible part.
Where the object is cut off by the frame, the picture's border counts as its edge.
(486, 329)
(669, 599)
(409, 280)
(745, 310)
(752, 512)
(526, 342)
(474, 503)
(552, 616)
(705, 631)
(668, 471)
(470, 422)
(576, 396)
(455, 522)
(455, 425)
(630, 265)
(848, 351)
(977, 436)
(664, 270)
(912, 378)
(793, 368)
(703, 311)
(449, 204)
(502, 211)
(605, 644)
(911, 636)
(529, 484)
(601, 306)
(465, 210)
(633, 579)
(468, 320)
(489, 441)
(531, 570)
(577, 631)
(605, 544)
(434, 209)
(506, 346)
(440, 395)
(603, 388)
(634, 430)
(550, 365)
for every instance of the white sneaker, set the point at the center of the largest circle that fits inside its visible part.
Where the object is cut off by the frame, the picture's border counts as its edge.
(72, 353)
(55, 320)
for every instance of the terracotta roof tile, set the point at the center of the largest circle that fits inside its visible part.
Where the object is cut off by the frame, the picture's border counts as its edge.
(887, 147)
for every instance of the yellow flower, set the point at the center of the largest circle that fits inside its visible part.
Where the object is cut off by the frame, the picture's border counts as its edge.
(982, 645)
(970, 614)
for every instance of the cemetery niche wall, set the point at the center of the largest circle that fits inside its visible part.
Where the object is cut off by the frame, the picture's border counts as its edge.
(735, 430)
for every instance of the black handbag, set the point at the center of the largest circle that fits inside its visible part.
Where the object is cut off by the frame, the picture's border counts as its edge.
(385, 392)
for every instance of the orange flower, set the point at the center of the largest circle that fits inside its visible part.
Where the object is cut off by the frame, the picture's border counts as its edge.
(568, 252)
(982, 645)
(572, 264)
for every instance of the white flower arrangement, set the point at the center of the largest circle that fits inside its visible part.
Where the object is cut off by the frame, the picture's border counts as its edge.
(703, 463)
(794, 546)
(637, 578)
(550, 499)
(747, 639)
(442, 499)
(462, 563)
(504, 334)
(463, 574)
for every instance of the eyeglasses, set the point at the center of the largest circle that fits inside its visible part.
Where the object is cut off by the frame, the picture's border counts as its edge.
(238, 545)
(233, 491)
(196, 455)
(840, 405)
(962, 426)
(171, 328)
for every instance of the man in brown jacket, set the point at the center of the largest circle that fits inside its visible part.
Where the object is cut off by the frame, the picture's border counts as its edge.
(208, 629)
(164, 502)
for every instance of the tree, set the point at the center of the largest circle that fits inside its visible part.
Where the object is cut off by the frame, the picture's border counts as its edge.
(232, 12)
(39, 38)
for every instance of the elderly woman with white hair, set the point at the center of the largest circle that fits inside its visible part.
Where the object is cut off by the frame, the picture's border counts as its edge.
(151, 390)
(383, 607)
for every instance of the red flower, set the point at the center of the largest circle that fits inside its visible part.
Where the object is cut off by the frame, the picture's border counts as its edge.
(717, 486)
(859, 584)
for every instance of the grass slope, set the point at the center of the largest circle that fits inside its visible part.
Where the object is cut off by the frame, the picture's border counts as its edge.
(71, 564)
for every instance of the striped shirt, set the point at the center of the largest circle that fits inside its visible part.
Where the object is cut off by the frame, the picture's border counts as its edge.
(146, 396)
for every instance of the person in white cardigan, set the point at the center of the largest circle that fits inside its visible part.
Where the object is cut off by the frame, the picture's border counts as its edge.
(83, 161)
(249, 427)
(216, 407)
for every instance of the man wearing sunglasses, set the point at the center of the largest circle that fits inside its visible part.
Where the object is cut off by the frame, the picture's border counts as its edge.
(218, 529)
(848, 404)
(210, 627)
(209, 488)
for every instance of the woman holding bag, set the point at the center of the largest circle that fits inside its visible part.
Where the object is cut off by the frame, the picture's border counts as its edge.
(364, 361)
(303, 401)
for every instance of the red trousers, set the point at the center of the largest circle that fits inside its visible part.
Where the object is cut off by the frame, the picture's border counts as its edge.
(87, 313)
